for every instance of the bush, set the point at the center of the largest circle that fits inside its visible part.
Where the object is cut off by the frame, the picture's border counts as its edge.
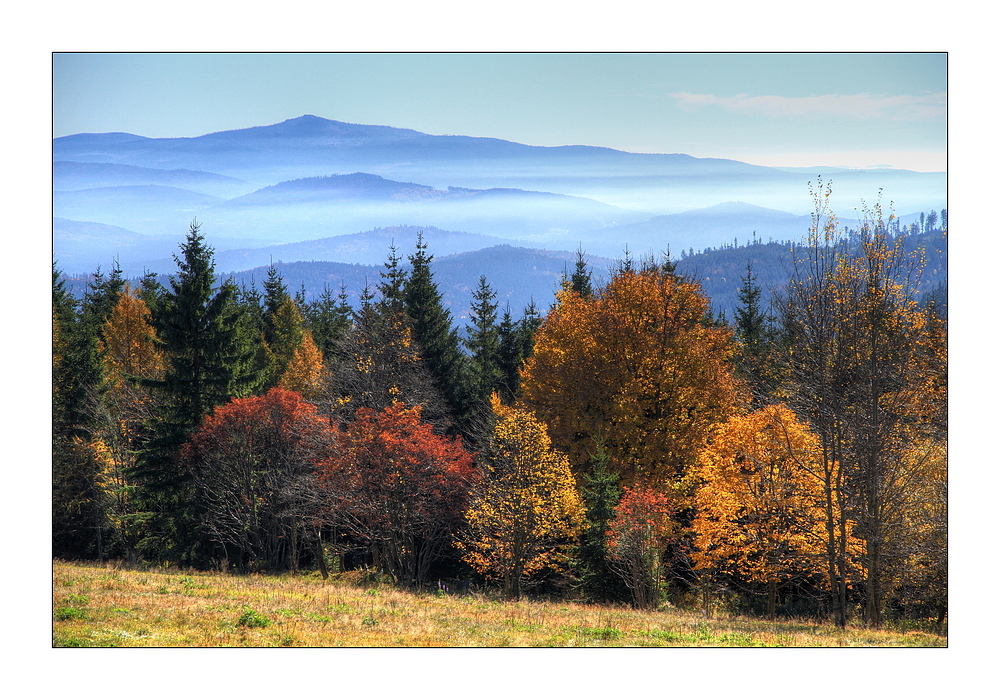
(252, 618)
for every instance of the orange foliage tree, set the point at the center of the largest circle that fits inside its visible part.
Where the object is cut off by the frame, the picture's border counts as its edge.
(397, 486)
(305, 373)
(527, 511)
(761, 505)
(635, 368)
(129, 352)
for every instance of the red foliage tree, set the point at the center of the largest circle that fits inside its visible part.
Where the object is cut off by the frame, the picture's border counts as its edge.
(637, 538)
(399, 487)
(254, 461)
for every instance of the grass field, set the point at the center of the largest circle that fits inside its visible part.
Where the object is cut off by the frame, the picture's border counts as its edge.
(108, 606)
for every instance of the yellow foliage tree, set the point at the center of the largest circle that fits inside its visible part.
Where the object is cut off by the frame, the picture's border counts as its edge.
(636, 368)
(761, 504)
(305, 373)
(527, 510)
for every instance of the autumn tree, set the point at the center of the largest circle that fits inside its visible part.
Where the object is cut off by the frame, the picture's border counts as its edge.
(305, 373)
(852, 337)
(638, 536)
(527, 512)
(254, 461)
(636, 369)
(761, 506)
(398, 487)
(125, 409)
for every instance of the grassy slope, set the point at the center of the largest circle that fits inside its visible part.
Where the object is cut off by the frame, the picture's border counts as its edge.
(97, 606)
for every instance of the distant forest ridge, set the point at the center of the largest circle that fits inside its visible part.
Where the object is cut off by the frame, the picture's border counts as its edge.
(523, 275)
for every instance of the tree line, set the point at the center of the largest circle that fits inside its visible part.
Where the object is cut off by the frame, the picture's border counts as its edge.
(625, 445)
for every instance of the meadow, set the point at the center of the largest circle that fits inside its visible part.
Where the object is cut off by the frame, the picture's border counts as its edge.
(113, 606)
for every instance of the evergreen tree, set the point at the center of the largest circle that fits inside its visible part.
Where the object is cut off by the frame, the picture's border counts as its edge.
(393, 280)
(515, 345)
(76, 512)
(206, 365)
(433, 331)
(580, 282)
(755, 330)
(483, 343)
(601, 493)
(328, 319)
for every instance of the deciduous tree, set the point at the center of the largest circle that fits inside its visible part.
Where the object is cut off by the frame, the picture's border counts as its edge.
(638, 536)
(254, 461)
(635, 369)
(399, 487)
(761, 506)
(527, 511)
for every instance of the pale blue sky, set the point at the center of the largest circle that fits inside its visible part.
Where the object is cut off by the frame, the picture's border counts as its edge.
(850, 109)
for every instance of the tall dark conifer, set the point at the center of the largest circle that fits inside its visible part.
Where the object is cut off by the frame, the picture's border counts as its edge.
(432, 329)
(198, 330)
(755, 330)
(483, 343)
(581, 282)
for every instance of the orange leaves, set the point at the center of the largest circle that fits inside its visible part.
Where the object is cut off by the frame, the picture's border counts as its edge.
(398, 486)
(305, 371)
(635, 368)
(637, 537)
(761, 506)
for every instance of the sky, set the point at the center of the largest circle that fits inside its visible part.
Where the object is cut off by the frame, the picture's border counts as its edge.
(846, 109)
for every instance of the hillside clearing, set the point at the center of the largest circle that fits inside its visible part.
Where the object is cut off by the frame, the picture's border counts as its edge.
(110, 606)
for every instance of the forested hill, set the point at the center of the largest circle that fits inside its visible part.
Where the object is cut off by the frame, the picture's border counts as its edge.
(522, 275)
(720, 270)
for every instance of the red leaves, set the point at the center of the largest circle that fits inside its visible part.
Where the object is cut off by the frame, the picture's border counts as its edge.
(397, 485)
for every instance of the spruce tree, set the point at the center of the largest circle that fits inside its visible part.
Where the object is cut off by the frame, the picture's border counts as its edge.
(328, 319)
(76, 504)
(483, 343)
(433, 331)
(601, 492)
(755, 330)
(198, 330)
(581, 282)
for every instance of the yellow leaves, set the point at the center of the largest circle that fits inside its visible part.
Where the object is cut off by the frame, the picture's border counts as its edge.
(305, 371)
(528, 507)
(760, 505)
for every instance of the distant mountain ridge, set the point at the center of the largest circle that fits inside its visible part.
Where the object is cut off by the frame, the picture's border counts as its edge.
(309, 178)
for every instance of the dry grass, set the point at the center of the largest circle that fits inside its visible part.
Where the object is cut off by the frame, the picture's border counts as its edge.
(112, 606)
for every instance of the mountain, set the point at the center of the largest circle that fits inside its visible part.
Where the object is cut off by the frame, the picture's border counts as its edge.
(84, 176)
(311, 146)
(365, 248)
(311, 178)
